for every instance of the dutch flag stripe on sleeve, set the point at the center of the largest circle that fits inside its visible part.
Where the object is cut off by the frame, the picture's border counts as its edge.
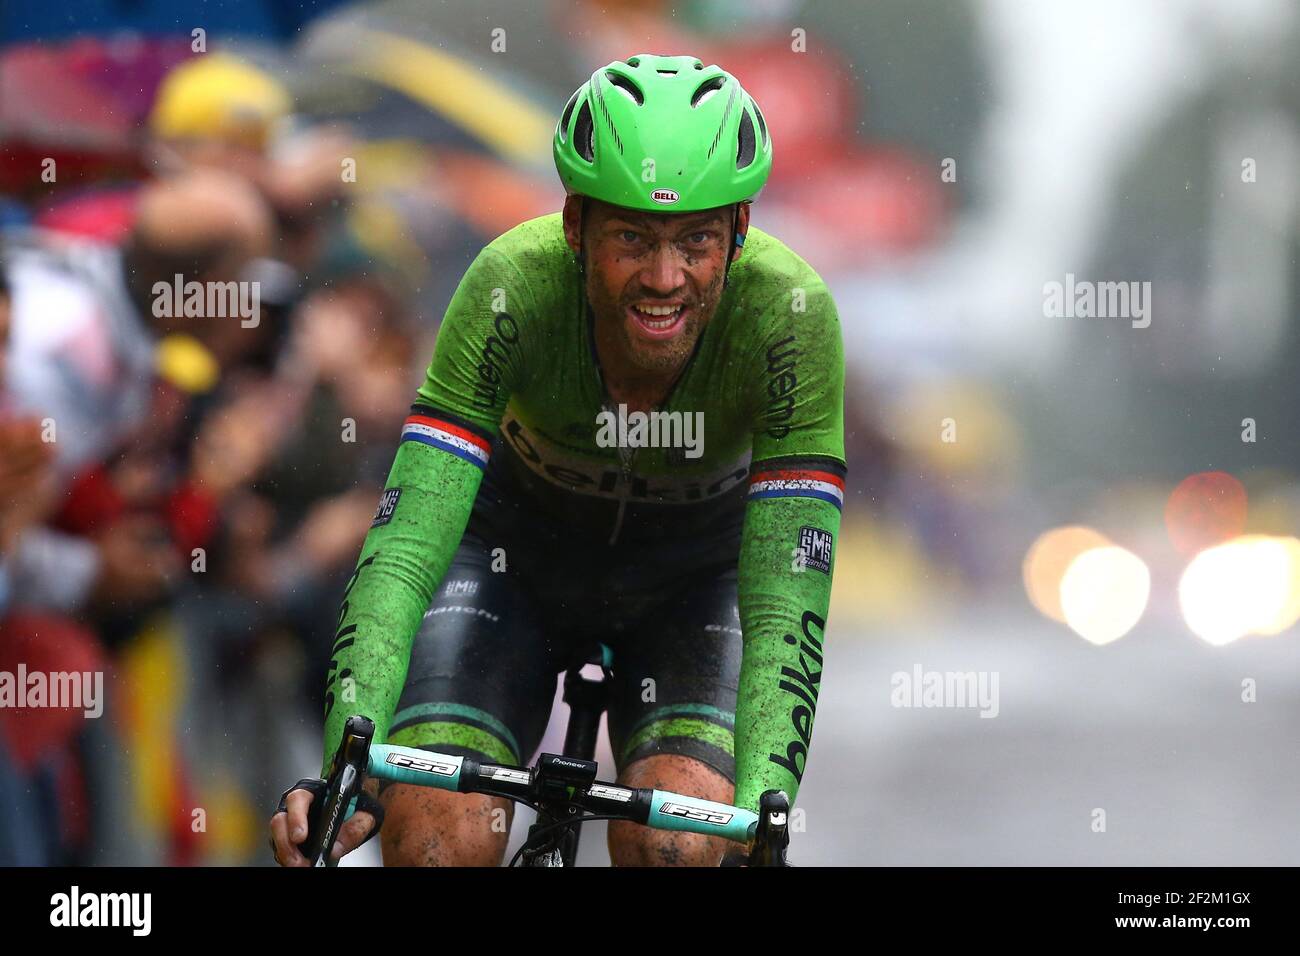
(797, 483)
(447, 436)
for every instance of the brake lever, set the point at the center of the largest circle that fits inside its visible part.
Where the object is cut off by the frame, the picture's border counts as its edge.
(347, 774)
(772, 837)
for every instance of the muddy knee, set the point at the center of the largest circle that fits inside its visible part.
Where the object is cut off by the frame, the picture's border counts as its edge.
(631, 844)
(424, 827)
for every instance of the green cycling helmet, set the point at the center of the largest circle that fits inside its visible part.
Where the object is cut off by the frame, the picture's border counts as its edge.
(663, 134)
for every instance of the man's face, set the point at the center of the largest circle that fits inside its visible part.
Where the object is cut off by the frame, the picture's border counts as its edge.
(654, 280)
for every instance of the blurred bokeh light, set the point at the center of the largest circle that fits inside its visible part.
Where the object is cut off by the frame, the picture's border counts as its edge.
(1048, 559)
(1247, 586)
(1104, 593)
(1205, 509)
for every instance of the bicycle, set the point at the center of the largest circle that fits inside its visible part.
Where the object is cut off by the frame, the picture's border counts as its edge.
(561, 788)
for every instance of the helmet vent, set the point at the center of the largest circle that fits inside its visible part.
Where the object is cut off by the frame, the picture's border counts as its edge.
(634, 62)
(707, 89)
(726, 115)
(666, 72)
(629, 89)
(564, 120)
(583, 132)
(762, 125)
(745, 146)
(609, 120)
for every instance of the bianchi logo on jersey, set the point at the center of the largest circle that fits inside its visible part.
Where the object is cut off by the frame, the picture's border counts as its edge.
(815, 549)
(716, 817)
(442, 768)
(574, 473)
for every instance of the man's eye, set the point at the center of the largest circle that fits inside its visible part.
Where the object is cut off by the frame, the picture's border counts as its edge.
(629, 236)
(699, 238)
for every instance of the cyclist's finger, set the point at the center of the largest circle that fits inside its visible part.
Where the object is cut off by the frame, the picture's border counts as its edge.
(352, 834)
(297, 804)
(286, 854)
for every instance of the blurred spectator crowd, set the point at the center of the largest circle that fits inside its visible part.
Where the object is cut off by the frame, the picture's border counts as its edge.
(182, 495)
(183, 491)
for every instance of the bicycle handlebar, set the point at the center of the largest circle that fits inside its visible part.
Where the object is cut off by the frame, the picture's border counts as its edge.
(660, 809)
(554, 781)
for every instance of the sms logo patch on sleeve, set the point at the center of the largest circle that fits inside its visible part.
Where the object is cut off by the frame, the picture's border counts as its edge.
(387, 505)
(815, 548)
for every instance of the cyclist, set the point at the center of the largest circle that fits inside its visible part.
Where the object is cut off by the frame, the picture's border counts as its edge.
(536, 505)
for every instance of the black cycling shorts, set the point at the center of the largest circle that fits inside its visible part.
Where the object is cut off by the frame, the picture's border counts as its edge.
(482, 676)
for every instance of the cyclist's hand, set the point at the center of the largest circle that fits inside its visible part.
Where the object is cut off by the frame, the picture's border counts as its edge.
(289, 827)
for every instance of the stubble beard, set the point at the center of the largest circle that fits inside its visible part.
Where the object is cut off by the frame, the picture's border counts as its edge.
(661, 357)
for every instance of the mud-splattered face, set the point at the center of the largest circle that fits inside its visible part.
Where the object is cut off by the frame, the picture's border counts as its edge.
(654, 280)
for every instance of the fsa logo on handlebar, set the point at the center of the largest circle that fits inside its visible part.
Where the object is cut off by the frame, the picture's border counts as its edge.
(441, 767)
(716, 817)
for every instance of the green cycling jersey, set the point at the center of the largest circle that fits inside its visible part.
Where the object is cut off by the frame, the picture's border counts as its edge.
(750, 438)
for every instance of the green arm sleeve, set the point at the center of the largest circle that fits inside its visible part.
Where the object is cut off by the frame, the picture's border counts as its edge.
(401, 564)
(429, 494)
(787, 549)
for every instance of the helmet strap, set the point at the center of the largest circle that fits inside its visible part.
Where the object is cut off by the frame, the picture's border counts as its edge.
(737, 241)
(582, 239)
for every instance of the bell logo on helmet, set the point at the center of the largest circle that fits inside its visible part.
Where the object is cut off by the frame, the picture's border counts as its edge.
(665, 197)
